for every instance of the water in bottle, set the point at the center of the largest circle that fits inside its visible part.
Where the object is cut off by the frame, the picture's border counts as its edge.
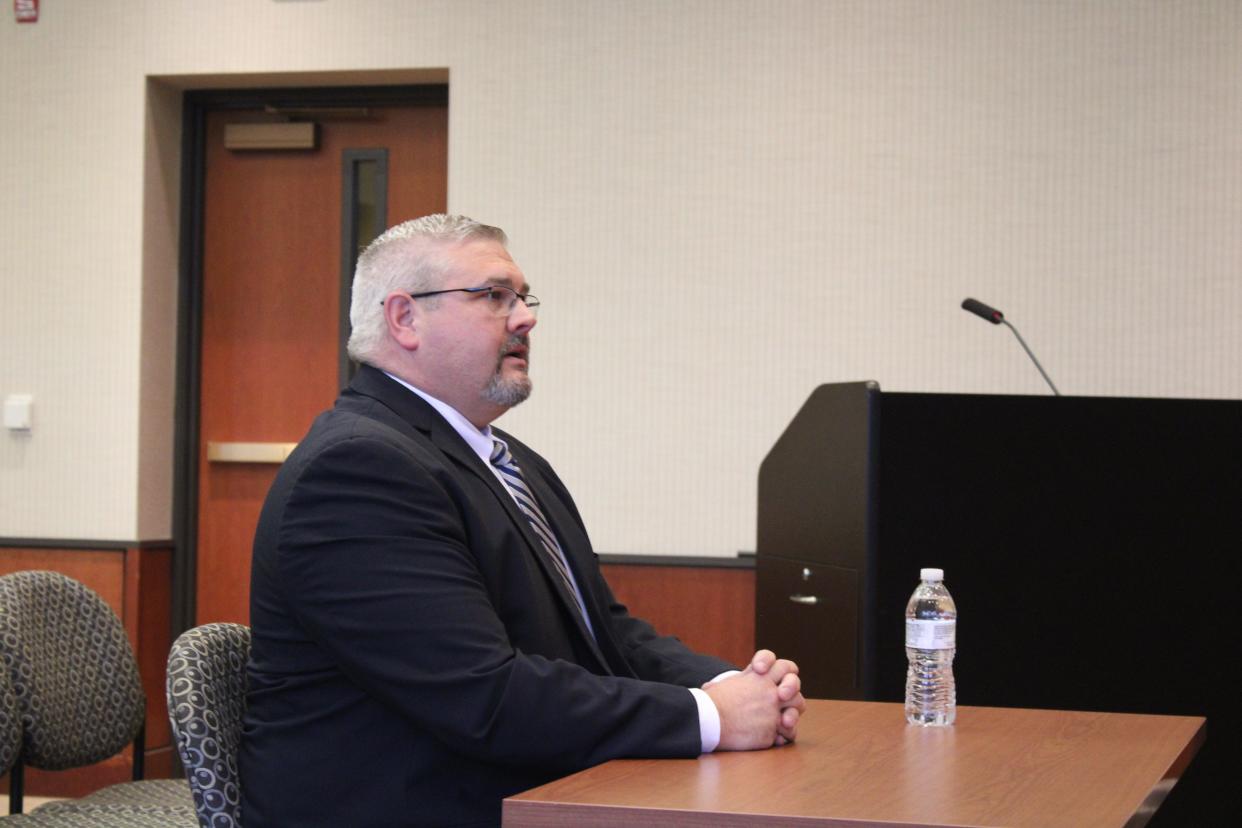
(931, 640)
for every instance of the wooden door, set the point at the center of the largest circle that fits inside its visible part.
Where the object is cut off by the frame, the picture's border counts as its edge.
(271, 329)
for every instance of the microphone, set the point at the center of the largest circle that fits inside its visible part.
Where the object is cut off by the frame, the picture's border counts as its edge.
(997, 318)
(983, 311)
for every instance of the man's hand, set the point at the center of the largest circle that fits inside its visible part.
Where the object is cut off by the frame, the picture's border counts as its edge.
(749, 711)
(760, 706)
(783, 673)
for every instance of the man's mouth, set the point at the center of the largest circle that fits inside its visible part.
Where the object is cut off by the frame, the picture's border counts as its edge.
(517, 350)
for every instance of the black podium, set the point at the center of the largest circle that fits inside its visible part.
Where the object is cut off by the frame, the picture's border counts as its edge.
(1093, 546)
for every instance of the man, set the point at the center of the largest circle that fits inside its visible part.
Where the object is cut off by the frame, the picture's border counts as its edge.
(431, 632)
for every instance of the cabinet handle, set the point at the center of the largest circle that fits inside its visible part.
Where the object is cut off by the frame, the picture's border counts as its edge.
(804, 599)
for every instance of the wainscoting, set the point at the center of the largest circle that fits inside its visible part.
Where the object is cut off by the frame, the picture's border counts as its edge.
(708, 603)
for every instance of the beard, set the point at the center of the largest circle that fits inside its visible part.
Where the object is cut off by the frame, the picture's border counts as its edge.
(509, 391)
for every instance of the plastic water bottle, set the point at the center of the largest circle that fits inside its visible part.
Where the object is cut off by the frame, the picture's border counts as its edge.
(931, 640)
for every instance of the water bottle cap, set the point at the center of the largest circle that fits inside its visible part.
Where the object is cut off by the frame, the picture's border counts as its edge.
(930, 574)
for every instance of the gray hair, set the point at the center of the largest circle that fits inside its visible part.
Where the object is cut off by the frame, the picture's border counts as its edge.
(405, 257)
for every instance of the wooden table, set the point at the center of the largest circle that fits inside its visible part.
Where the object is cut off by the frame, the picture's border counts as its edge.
(859, 763)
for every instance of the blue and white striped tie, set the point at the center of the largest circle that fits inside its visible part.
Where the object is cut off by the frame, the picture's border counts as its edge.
(511, 475)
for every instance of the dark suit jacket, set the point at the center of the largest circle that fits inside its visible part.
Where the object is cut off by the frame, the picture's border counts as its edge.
(416, 657)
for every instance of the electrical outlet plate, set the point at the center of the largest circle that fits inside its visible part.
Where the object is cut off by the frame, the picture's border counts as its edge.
(17, 411)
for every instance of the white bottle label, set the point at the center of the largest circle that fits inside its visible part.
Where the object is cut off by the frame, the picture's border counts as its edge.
(931, 635)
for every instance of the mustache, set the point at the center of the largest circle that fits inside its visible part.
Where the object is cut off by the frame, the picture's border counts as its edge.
(515, 342)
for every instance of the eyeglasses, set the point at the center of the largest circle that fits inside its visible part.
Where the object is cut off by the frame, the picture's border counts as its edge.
(500, 299)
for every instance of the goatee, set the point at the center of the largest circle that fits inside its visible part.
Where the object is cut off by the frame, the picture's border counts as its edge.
(509, 391)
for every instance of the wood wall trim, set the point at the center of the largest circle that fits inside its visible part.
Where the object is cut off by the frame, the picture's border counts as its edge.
(103, 570)
(148, 621)
(711, 609)
(741, 561)
(82, 545)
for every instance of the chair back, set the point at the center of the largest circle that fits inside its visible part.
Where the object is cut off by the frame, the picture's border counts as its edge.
(10, 724)
(72, 670)
(206, 702)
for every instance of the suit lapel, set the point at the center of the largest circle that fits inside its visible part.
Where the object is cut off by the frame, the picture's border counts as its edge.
(419, 414)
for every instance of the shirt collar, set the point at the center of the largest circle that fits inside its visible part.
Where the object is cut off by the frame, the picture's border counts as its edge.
(480, 442)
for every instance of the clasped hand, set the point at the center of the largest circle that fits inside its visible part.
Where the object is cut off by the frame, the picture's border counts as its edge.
(760, 706)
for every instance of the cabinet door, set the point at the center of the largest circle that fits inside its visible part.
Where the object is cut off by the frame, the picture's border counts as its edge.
(808, 611)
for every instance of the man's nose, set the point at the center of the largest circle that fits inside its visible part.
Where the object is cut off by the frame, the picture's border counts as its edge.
(521, 318)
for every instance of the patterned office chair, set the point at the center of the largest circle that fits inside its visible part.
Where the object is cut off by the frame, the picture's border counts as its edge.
(10, 730)
(206, 702)
(77, 689)
(88, 812)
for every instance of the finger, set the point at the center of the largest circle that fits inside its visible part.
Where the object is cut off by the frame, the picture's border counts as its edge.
(787, 729)
(780, 668)
(790, 685)
(798, 703)
(762, 661)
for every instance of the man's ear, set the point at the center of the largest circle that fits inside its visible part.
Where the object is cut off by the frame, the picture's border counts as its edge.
(401, 314)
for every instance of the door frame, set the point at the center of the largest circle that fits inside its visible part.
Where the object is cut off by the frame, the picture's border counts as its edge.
(195, 106)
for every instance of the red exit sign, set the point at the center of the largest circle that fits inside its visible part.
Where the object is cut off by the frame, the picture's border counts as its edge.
(26, 11)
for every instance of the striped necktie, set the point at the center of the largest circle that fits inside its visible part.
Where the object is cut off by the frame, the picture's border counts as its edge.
(511, 475)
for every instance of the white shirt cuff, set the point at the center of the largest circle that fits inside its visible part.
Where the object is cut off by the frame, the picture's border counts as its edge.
(709, 720)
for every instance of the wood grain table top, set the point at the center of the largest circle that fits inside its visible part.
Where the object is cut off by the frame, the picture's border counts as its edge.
(859, 763)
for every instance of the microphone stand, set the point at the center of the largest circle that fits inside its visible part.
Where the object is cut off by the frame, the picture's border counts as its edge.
(1022, 342)
(997, 318)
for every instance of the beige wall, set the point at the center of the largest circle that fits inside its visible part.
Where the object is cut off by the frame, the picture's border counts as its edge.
(722, 204)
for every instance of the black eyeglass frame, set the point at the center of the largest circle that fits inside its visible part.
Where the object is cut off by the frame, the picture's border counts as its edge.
(530, 300)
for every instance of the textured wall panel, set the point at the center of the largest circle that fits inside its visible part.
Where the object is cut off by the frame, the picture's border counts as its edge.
(723, 204)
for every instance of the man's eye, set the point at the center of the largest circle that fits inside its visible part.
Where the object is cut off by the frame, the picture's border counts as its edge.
(497, 295)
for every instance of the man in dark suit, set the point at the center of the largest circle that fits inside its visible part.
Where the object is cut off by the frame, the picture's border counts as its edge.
(431, 631)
